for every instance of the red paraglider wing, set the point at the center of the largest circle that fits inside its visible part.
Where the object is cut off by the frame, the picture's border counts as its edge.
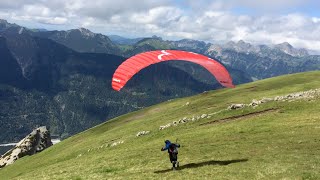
(134, 64)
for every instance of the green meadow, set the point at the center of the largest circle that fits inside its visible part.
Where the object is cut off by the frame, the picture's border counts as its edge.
(275, 140)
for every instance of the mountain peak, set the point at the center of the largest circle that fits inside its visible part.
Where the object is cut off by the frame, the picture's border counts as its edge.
(2, 21)
(5, 24)
(86, 32)
(240, 46)
(230, 43)
(241, 42)
(83, 31)
(285, 44)
(289, 49)
(156, 37)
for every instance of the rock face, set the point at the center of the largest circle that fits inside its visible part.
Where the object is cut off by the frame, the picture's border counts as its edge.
(236, 106)
(142, 133)
(38, 140)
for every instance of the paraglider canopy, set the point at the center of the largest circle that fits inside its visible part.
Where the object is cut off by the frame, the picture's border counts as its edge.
(135, 63)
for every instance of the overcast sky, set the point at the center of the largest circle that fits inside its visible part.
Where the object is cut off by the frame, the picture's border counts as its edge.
(254, 21)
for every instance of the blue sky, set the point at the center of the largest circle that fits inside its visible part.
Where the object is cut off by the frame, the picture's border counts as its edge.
(254, 21)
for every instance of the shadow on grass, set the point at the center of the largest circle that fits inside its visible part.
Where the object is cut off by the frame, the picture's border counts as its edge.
(205, 163)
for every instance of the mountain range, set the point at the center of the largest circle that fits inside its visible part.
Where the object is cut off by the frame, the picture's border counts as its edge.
(62, 79)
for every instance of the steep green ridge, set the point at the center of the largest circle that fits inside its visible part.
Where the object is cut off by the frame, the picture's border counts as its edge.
(275, 140)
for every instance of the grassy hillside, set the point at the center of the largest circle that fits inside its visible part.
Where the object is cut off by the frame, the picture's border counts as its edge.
(275, 140)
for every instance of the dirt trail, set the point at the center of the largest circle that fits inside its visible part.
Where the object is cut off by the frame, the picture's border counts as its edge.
(242, 116)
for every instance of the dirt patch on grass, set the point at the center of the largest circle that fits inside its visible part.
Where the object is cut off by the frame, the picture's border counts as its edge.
(135, 117)
(143, 114)
(242, 116)
(252, 88)
(154, 110)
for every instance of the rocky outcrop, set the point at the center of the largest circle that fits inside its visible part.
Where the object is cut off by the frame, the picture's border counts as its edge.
(185, 120)
(38, 140)
(304, 95)
(236, 106)
(142, 133)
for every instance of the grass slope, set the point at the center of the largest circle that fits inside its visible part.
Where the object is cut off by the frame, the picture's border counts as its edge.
(275, 144)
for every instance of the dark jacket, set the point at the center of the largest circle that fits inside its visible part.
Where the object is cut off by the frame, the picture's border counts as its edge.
(171, 147)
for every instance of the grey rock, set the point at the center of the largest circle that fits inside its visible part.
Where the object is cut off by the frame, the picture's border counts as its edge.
(236, 106)
(141, 133)
(204, 115)
(37, 141)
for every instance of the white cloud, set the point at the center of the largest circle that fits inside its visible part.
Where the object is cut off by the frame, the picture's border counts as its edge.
(268, 4)
(55, 20)
(156, 15)
(36, 10)
(298, 30)
(203, 19)
(256, 5)
(44, 20)
(315, 20)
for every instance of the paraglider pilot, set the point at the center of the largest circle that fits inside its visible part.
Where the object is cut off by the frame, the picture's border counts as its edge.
(173, 152)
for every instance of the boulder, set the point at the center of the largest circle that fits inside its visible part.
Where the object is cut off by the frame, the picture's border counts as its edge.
(116, 143)
(236, 106)
(141, 133)
(255, 103)
(204, 115)
(37, 141)
(165, 126)
(265, 100)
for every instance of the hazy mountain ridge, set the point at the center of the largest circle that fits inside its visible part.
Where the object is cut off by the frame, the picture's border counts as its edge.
(257, 61)
(123, 40)
(81, 40)
(261, 50)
